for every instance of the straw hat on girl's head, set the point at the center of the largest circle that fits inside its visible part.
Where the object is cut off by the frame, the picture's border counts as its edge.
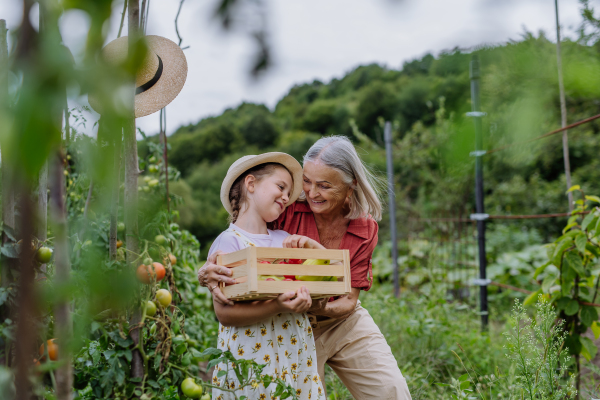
(245, 163)
(160, 78)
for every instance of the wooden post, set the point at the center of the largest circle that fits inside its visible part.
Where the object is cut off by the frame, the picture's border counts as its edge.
(114, 203)
(563, 111)
(42, 203)
(392, 197)
(62, 271)
(131, 192)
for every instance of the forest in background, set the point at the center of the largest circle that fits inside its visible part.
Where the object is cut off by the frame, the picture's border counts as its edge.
(426, 99)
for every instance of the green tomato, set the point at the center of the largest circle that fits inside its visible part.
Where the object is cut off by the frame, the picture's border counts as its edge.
(121, 227)
(146, 189)
(148, 261)
(164, 297)
(147, 179)
(191, 389)
(153, 183)
(153, 169)
(44, 254)
(205, 396)
(161, 240)
(174, 227)
(150, 308)
(153, 329)
(152, 159)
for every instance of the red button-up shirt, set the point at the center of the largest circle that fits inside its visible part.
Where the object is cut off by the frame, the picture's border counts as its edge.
(360, 239)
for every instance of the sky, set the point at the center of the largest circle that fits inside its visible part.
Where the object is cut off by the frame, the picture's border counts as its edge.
(311, 39)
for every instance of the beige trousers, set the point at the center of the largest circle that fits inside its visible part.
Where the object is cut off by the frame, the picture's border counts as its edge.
(358, 353)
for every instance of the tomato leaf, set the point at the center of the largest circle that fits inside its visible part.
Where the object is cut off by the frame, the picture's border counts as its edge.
(588, 315)
(596, 329)
(580, 242)
(541, 269)
(572, 307)
(575, 262)
(593, 198)
(572, 188)
(587, 221)
(588, 349)
(532, 298)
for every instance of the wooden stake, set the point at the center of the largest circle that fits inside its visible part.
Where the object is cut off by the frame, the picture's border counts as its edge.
(131, 192)
(62, 271)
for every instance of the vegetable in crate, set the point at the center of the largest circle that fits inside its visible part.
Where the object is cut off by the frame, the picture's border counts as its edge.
(313, 261)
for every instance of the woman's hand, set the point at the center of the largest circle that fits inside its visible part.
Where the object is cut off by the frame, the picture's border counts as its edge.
(301, 242)
(318, 306)
(299, 305)
(211, 274)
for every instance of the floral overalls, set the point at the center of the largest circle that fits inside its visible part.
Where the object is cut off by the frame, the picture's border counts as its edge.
(284, 343)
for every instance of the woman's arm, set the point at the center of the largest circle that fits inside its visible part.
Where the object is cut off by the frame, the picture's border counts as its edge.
(337, 308)
(244, 314)
(211, 274)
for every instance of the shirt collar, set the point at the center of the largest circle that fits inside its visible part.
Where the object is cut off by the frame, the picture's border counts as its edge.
(358, 227)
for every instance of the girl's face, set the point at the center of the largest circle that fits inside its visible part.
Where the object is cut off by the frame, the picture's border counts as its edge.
(325, 190)
(270, 195)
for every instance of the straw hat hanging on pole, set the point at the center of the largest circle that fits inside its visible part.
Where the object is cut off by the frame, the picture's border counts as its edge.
(160, 78)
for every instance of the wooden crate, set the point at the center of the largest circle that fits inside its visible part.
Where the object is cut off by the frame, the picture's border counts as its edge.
(246, 265)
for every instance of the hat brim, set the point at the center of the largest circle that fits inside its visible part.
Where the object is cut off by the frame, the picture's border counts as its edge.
(171, 81)
(274, 157)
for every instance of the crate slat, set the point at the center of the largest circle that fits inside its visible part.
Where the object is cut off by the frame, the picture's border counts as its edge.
(239, 271)
(231, 258)
(312, 286)
(347, 281)
(252, 270)
(235, 290)
(299, 269)
(275, 252)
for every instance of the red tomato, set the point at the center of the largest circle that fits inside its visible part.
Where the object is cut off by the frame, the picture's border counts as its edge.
(294, 261)
(289, 277)
(145, 272)
(269, 279)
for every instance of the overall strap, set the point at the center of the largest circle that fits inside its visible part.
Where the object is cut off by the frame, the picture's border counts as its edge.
(239, 234)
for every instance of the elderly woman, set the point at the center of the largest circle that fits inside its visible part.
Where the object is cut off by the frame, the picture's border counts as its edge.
(340, 209)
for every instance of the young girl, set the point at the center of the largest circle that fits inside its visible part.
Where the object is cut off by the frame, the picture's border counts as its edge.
(274, 332)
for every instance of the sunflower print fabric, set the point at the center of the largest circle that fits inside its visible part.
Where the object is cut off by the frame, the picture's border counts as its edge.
(285, 344)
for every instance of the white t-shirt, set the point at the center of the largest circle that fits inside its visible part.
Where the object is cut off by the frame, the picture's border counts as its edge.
(228, 241)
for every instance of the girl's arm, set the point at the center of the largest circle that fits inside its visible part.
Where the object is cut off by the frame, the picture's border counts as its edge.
(244, 314)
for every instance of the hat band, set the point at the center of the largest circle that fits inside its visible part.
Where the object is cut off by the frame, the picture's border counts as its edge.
(151, 82)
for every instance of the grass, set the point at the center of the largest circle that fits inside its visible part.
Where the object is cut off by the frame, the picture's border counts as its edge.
(425, 333)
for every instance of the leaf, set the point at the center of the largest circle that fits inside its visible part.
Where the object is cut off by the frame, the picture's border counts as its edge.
(222, 373)
(10, 232)
(593, 198)
(10, 250)
(541, 269)
(588, 315)
(573, 343)
(562, 302)
(575, 262)
(441, 384)
(465, 385)
(588, 349)
(547, 283)
(572, 307)
(580, 242)
(571, 225)
(463, 378)
(572, 188)
(587, 221)
(532, 298)
(596, 329)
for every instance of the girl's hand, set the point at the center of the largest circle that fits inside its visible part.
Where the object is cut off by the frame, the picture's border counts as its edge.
(299, 305)
(211, 274)
(301, 242)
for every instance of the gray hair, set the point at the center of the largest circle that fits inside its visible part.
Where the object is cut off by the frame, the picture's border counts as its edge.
(339, 153)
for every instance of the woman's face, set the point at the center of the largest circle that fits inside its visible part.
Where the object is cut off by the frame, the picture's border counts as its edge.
(326, 191)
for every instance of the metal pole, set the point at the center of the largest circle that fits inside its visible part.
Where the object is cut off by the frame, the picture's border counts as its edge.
(563, 111)
(480, 216)
(392, 194)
